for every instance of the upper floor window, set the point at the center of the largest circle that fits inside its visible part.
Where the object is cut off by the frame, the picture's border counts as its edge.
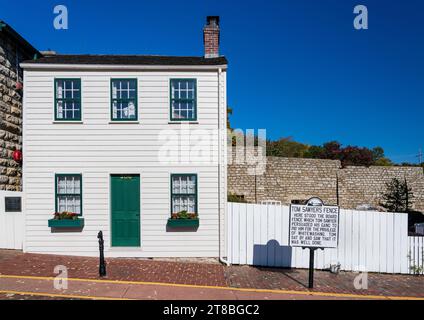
(124, 99)
(183, 99)
(68, 99)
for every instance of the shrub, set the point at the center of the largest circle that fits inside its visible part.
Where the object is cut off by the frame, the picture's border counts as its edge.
(232, 197)
(398, 196)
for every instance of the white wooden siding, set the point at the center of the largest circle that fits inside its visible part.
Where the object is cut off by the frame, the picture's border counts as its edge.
(97, 148)
(11, 224)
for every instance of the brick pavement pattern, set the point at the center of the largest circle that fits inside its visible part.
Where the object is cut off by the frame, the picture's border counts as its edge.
(208, 274)
(18, 263)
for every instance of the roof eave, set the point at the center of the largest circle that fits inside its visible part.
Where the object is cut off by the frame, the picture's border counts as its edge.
(51, 66)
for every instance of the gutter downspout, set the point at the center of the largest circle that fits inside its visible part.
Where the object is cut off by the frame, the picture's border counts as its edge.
(220, 135)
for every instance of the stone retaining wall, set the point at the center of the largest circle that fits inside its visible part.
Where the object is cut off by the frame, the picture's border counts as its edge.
(10, 112)
(288, 179)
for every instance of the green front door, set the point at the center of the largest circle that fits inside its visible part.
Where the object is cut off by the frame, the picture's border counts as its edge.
(125, 203)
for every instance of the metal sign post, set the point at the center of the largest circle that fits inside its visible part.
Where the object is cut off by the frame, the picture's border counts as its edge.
(311, 265)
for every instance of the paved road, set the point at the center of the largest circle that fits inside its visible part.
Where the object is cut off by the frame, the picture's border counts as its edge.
(21, 287)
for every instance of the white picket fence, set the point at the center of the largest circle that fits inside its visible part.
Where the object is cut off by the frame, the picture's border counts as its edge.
(368, 241)
(416, 254)
(11, 224)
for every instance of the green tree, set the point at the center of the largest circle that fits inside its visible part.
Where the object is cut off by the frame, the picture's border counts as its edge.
(232, 197)
(229, 113)
(383, 162)
(286, 147)
(314, 152)
(378, 157)
(398, 196)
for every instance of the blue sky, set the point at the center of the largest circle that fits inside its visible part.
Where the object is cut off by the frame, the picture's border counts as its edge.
(296, 67)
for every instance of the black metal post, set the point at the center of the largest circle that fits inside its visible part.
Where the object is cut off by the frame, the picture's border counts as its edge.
(311, 267)
(102, 264)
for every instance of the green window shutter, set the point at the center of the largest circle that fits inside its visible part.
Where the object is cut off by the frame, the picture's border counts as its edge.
(123, 100)
(183, 99)
(68, 193)
(67, 99)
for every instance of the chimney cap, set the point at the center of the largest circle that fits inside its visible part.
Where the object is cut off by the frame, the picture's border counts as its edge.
(212, 20)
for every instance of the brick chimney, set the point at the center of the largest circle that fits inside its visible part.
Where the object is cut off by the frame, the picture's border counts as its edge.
(211, 37)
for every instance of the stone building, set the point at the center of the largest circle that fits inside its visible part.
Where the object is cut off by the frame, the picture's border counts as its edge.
(13, 50)
(294, 179)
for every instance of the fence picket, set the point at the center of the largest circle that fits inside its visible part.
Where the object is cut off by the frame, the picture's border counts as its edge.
(383, 243)
(250, 228)
(287, 253)
(279, 237)
(242, 234)
(397, 243)
(404, 246)
(375, 266)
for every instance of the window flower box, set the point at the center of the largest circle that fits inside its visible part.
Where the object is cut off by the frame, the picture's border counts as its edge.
(183, 223)
(183, 219)
(76, 223)
(66, 220)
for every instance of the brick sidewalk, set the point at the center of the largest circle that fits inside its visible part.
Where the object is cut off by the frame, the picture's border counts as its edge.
(17, 263)
(297, 280)
(206, 274)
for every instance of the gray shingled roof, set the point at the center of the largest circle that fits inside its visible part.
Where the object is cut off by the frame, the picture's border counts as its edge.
(129, 60)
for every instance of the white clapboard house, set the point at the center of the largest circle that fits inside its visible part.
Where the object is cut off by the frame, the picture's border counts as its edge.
(133, 145)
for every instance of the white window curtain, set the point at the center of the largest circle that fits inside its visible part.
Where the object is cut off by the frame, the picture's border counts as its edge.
(59, 95)
(184, 193)
(69, 194)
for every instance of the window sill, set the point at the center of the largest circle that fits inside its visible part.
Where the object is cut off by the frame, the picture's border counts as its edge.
(66, 122)
(124, 122)
(183, 122)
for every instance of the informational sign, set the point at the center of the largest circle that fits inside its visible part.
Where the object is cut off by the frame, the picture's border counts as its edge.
(314, 225)
(13, 204)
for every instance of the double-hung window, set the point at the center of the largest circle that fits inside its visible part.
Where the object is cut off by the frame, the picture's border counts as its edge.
(124, 99)
(184, 193)
(69, 193)
(183, 99)
(67, 99)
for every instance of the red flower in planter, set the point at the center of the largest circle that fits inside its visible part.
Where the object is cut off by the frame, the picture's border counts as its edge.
(65, 216)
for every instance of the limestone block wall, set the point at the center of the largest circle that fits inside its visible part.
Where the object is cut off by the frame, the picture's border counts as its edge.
(358, 185)
(10, 113)
(288, 179)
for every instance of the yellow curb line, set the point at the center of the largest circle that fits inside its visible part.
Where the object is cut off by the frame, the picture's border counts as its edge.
(55, 295)
(312, 293)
